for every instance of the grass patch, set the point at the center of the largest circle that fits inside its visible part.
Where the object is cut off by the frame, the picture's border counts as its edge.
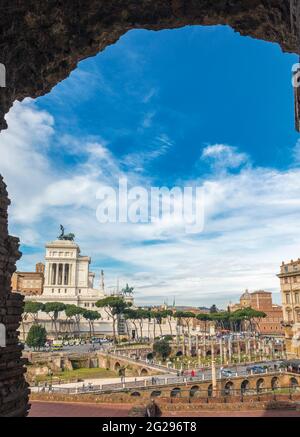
(83, 373)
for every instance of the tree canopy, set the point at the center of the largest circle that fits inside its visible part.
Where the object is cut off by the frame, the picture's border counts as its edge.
(162, 348)
(116, 304)
(36, 337)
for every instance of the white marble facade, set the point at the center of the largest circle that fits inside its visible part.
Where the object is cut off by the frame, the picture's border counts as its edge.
(67, 275)
(69, 280)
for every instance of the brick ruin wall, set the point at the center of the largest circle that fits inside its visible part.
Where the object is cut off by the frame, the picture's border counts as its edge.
(13, 388)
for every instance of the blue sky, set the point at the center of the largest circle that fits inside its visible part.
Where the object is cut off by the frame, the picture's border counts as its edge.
(197, 105)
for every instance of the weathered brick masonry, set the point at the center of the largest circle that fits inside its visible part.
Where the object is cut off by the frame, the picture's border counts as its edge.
(13, 388)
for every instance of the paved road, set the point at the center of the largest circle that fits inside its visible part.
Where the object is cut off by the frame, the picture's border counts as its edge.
(64, 409)
(96, 381)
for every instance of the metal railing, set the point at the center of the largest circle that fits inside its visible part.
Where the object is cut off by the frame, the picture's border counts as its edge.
(144, 383)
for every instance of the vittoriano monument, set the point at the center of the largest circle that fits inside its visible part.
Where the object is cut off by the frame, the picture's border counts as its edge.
(42, 42)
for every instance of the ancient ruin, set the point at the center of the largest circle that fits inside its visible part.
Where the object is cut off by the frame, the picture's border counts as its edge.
(42, 42)
(13, 389)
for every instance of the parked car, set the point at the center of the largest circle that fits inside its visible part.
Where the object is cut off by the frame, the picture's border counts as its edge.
(256, 369)
(56, 347)
(226, 373)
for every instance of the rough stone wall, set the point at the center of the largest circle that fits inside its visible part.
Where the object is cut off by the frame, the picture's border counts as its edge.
(13, 388)
(41, 41)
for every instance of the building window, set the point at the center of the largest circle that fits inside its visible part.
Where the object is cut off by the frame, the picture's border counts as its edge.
(286, 269)
(79, 291)
(296, 297)
(59, 290)
(65, 290)
(295, 278)
(286, 280)
(298, 315)
(52, 290)
(287, 298)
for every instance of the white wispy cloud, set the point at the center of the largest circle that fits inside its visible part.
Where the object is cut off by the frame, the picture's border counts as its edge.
(224, 156)
(251, 215)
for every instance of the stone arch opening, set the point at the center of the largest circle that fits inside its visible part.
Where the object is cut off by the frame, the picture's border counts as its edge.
(144, 372)
(260, 383)
(275, 383)
(228, 388)
(245, 385)
(210, 390)
(208, 353)
(294, 383)
(104, 23)
(135, 394)
(117, 366)
(179, 354)
(175, 393)
(194, 390)
(155, 394)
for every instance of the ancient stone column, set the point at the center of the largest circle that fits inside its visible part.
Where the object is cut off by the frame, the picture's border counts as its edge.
(225, 354)
(189, 345)
(213, 370)
(13, 388)
(247, 349)
(229, 350)
(221, 351)
(239, 351)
